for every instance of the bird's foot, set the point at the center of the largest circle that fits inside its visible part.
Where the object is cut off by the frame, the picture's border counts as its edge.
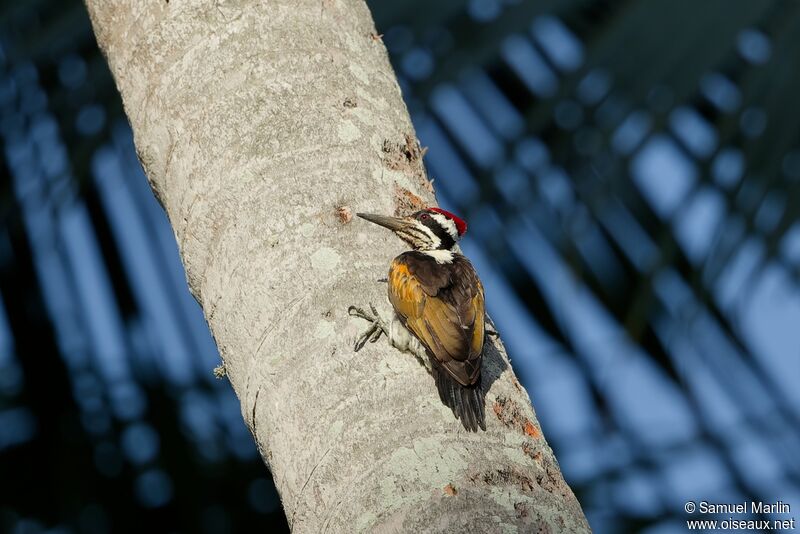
(374, 332)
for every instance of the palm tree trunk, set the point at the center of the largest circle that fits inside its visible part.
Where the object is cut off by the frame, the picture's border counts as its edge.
(261, 127)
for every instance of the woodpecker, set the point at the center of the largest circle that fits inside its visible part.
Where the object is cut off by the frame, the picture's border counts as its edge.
(438, 304)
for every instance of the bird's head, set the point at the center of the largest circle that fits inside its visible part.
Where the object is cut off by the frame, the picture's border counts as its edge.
(426, 230)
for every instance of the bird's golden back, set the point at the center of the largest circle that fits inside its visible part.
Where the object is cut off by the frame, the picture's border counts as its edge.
(443, 306)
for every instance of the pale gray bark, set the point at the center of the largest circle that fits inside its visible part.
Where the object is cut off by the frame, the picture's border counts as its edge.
(255, 122)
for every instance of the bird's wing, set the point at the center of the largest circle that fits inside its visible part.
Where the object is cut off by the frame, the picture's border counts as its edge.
(443, 306)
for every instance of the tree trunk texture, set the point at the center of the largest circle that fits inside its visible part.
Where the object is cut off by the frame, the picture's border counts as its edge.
(262, 126)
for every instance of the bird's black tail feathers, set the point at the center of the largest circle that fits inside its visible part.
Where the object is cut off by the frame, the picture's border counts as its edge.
(467, 402)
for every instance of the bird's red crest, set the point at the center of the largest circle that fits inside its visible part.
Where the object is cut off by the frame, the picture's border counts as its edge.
(461, 224)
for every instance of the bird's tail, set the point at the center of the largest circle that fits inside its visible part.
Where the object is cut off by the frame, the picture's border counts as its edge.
(467, 402)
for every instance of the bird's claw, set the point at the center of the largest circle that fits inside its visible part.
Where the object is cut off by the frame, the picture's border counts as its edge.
(376, 329)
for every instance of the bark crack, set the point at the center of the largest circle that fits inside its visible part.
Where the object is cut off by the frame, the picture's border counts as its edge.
(273, 325)
(253, 415)
(302, 489)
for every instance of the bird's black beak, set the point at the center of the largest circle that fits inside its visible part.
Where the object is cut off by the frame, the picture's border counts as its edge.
(394, 224)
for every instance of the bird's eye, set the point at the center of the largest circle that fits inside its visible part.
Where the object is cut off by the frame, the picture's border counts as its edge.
(424, 217)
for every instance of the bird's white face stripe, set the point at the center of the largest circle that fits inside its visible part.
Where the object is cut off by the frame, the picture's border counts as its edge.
(421, 237)
(447, 224)
(434, 239)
